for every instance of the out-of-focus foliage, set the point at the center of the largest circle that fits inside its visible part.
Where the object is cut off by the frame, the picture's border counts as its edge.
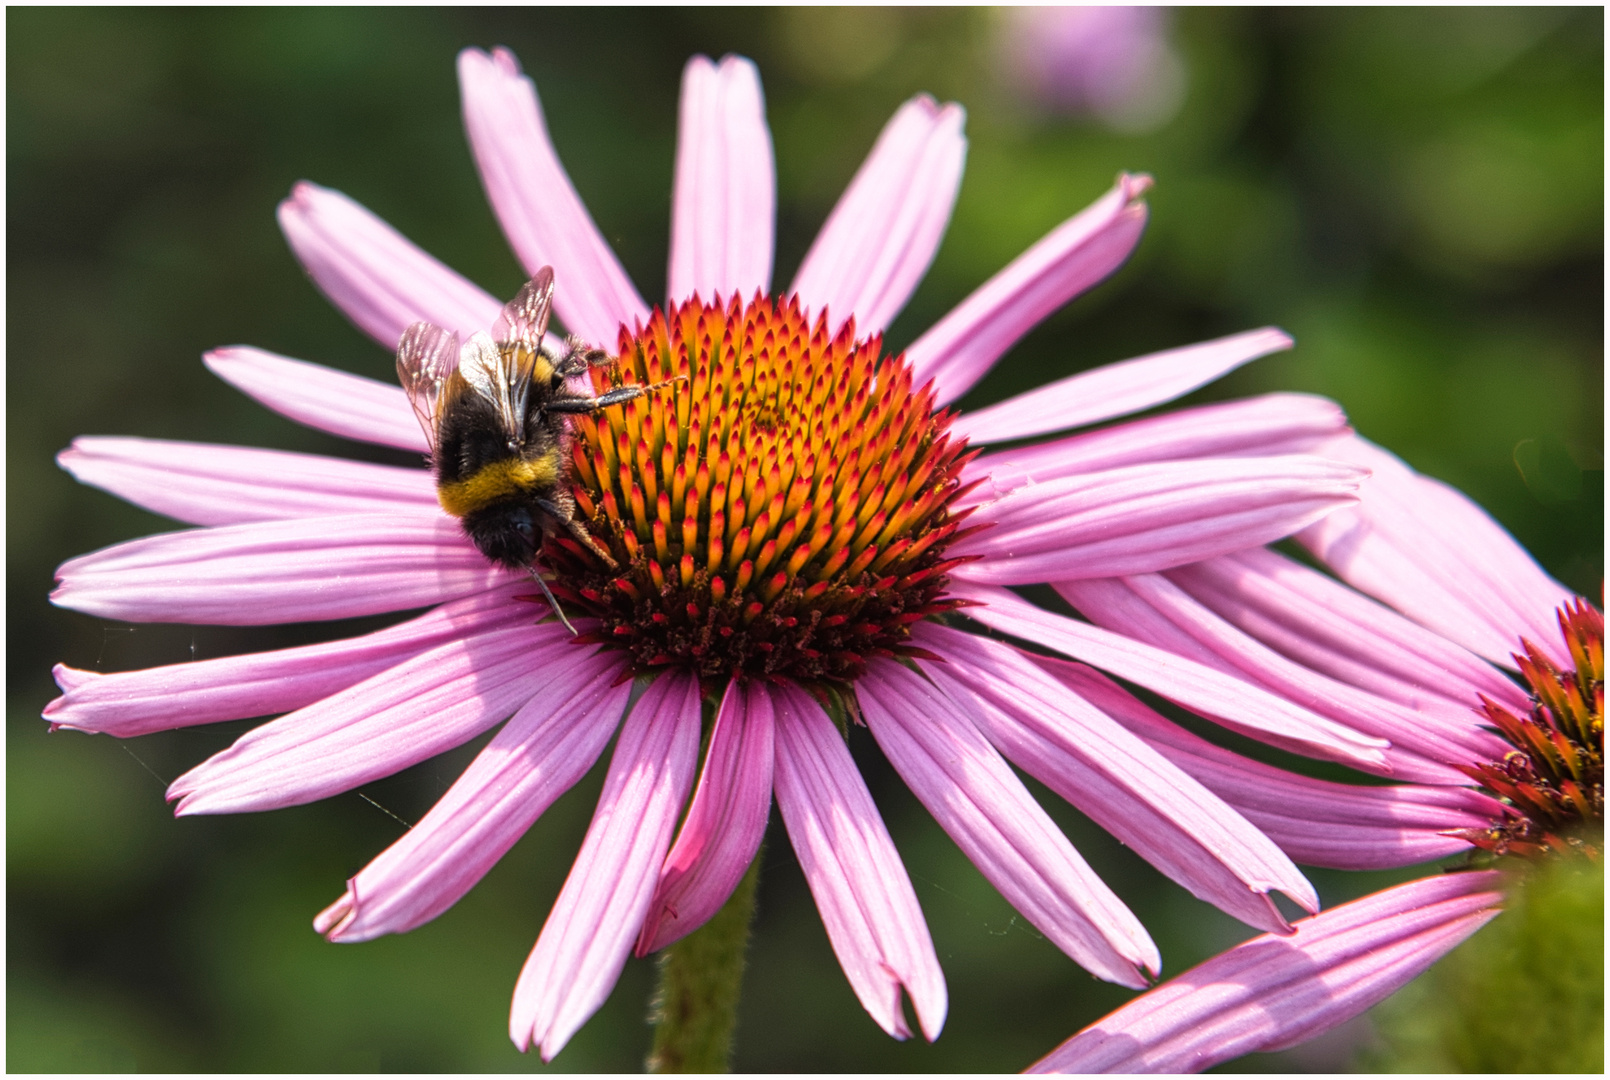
(1416, 195)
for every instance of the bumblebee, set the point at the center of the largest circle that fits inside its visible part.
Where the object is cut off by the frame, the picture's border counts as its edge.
(493, 412)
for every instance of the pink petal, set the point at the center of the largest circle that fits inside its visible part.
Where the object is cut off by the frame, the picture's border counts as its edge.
(280, 571)
(980, 802)
(1123, 784)
(1233, 702)
(1316, 822)
(1439, 558)
(724, 202)
(548, 746)
(885, 230)
(957, 351)
(1149, 517)
(725, 824)
(320, 397)
(1317, 621)
(376, 276)
(1273, 992)
(207, 484)
(589, 933)
(860, 886)
(1253, 427)
(129, 703)
(429, 703)
(1119, 389)
(536, 204)
(1150, 608)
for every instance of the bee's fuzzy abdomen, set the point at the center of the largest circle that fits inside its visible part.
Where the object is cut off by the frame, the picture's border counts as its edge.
(505, 480)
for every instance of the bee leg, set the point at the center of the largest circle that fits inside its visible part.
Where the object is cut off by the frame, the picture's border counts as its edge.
(552, 603)
(617, 396)
(576, 529)
(581, 404)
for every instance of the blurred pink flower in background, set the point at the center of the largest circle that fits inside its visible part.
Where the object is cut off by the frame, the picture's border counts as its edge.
(1513, 769)
(291, 537)
(1113, 63)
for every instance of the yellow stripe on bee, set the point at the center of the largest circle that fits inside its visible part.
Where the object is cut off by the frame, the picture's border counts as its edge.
(497, 481)
(541, 370)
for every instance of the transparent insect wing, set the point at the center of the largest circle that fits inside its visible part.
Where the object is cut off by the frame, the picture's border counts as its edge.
(525, 318)
(501, 376)
(426, 356)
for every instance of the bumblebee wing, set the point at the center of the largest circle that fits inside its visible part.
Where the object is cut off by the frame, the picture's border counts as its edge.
(525, 318)
(426, 356)
(502, 377)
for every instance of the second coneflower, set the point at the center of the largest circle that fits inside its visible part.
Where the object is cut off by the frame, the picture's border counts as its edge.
(1511, 771)
(790, 527)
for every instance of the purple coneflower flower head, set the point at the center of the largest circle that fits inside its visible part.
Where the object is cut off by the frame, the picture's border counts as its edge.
(1511, 767)
(1113, 63)
(788, 525)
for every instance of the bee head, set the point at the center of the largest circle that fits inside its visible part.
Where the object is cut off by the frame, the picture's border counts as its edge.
(506, 533)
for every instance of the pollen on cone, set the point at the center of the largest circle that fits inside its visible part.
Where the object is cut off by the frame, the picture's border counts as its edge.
(784, 510)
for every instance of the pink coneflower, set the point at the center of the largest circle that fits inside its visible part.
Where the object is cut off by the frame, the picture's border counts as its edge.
(1532, 752)
(791, 523)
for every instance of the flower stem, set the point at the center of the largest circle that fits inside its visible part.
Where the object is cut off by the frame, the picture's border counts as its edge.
(696, 1004)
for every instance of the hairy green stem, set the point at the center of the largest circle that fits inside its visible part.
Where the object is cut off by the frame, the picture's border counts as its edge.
(696, 1004)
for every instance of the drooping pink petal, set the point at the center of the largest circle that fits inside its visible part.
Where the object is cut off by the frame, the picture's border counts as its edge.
(1123, 784)
(280, 571)
(129, 703)
(1150, 608)
(1436, 556)
(208, 484)
(885, 229)
(376, 276)
(429, 703)
(1273, 424)
(725, 823)
(957, 350)
(1137, 518)
(980, 802)
(540, 753)
(588, 935)
(1273, 992)
(868, 907)
(724, 201)
(1233, 702)
(1316, 822)
(320, 397)
(1119, 389)
(535, 202)
(1317, 621)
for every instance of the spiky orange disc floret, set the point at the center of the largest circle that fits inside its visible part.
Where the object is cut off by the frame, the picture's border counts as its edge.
(782, 512)
(1554, 778)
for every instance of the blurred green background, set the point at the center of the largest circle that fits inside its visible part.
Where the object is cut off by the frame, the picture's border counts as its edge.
(1416, 195)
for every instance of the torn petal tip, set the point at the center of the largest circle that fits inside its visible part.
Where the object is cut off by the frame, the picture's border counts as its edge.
(335, 918)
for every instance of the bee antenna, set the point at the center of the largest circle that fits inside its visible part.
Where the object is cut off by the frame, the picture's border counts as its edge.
(552, 603)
